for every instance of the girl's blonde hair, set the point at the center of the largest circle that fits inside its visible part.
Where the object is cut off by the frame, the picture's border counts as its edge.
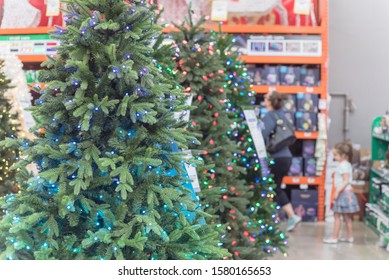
(346, 149)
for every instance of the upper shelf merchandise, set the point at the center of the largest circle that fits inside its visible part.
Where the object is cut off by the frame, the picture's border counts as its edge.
(244, 12)
(30, 13)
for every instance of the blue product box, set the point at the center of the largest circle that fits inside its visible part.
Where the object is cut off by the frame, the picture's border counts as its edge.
(271, 75)
(290, 103)
(307, 102)
(308, 147)
(305, 204)
(296, 168)
(289, 75)
(310, 167)
(310, 76)
(306, 121)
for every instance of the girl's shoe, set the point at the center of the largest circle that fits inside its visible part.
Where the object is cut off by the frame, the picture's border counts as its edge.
(330, 240)
(345, 239)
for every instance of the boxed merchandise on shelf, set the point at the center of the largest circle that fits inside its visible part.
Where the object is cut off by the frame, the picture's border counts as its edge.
(32, 76)
(381, 128)
(310, 76)
(377, 218)
(271, 75)
(308, 148)
(310, 167)
(306, 121)
(289, 75)
(290, 103)
(307, 102)
(288, 45)
(305, 204)
(296, 168)
(255, 75)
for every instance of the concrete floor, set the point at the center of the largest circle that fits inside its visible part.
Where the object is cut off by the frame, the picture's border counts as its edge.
(305, 243)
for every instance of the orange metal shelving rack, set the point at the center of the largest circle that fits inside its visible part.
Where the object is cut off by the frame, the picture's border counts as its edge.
(321, 90)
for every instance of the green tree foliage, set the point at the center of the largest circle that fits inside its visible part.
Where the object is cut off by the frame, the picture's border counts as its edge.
(225, 193)
(9, 127)
(111, 183)
(262, 208)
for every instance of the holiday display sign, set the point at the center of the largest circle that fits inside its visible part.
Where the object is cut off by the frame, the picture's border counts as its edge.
(257, 137)
(192, 173)
(256, 133)
(219, 10)
(302, 7)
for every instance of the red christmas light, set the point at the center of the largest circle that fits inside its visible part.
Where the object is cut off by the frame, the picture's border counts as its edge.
(225, 197)
(233, 243)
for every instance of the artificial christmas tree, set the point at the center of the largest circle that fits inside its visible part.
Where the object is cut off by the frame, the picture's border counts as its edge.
(111, 185)
(224, 192)
(240, 97)
(9, 127)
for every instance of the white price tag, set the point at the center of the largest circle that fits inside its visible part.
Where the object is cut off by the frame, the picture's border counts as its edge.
(311, 180)
(309, 89)
(52, 8)
(272, 89)
(295, 180)
(302, 7)
(256, 133)
(307, 134)
(303, 186)
(192, 172)
(322, 104)
(219, 10)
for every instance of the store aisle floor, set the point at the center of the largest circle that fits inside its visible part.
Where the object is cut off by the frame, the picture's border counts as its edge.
(305, 243)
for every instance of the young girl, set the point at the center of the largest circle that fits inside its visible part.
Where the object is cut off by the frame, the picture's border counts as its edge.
(345, 201)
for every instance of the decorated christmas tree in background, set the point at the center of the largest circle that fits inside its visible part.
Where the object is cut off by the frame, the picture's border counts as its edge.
(9, 127)
(224, 191)
(268, 236)
(111, 184)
